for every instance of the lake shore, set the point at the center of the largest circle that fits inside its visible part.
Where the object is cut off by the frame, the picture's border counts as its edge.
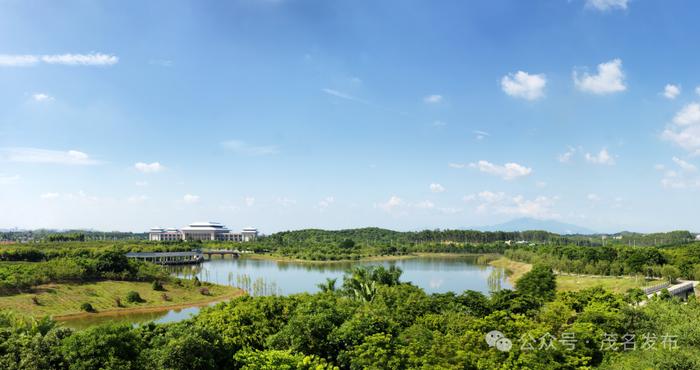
(62, 301)
(276, 258)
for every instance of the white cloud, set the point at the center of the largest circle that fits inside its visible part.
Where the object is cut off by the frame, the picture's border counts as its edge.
(480, 135)
(49, 196)
(141, 183)
(92, 59)
(18, 60)
(426, 204)
(249, 201)
(46, 156)
(392, 204)
(8, 179)
(439, 124)
(286, 202)
(432, 99)
(501, 203)
(567, 156)
(605, 5)
(685, 166)
(326, 202)
(190, 199)
(685, 129)
(603, 157)
(524, 85)
(688, 115)
(593, 197)
(342, 95)
(508, 171)
(541, 184)
(457, 165)
(610, 79)
(437, 188)
(149, 167)
(671, 91)
(137, 199)
(697, 90)
(41, 97)
(241, 147)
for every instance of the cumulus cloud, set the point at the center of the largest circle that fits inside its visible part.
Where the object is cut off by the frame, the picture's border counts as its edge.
(392, 204)
(671, 91)
(49, 195)
(501, 203)
(593, 197)
(684, 175)
(432, 99)
(608, 80)
(684, 130)
(688, 115)
(524, 85)
(41, 97)
(605, 5)
(567, 156)
(437, 188)
(243, 148)
(249, 201)
(508, 171)
(326, 202)
(28, 60)
(602, 157)
(46, 156)
(457, 165)
(190, 199)
(149, 167)
(426, 204)
(685, 166)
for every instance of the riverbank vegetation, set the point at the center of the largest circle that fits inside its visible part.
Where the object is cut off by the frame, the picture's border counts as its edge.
(373, 320)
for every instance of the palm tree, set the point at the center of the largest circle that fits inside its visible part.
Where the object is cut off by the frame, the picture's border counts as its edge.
(328, 286)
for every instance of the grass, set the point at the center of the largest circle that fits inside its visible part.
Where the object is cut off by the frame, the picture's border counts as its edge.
(59, 300)
(615, 284)
(516, 270)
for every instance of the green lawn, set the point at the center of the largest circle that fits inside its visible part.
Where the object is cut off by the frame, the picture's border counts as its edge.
(65, 299)
(616, 284)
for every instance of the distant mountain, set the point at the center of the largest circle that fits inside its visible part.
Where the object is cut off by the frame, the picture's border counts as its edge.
(522, 224)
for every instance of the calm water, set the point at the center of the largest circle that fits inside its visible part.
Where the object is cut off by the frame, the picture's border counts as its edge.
(264, 277)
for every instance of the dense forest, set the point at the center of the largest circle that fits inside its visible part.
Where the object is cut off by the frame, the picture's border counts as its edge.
(374, 321)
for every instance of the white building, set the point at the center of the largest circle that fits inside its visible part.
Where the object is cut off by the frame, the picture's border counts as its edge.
(202, 231)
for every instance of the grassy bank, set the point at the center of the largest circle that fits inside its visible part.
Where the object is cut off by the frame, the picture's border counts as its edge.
(514, 269)
(615, 284)
(574, 282)
(64, 300)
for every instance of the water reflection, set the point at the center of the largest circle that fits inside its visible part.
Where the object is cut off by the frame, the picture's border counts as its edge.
(268, 277)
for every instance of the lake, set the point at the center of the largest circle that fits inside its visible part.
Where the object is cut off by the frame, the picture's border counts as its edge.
(435, 274)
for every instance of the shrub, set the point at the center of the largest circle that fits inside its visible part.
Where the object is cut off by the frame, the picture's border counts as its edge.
(35, 300)
(157, 285)
(166, 297)
(133, 297)
(196, 281)
(204, 291)
(118, 302)
(87, 307)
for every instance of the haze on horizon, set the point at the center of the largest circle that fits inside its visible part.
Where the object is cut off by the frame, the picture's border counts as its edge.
(289, 114)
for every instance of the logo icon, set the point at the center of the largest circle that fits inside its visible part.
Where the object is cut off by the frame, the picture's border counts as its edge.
(496, 339)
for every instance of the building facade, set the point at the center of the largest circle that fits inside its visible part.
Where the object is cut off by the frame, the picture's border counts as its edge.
(203, 231)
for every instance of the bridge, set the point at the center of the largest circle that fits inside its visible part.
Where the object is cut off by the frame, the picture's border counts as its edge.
(221, 252)
(682, 290)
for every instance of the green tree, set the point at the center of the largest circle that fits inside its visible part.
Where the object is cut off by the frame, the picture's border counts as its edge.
(538, 282)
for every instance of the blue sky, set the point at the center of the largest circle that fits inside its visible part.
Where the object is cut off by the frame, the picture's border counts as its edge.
(286, 114)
